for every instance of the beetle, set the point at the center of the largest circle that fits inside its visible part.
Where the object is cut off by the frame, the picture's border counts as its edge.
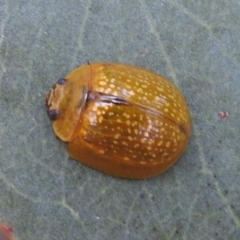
(123, 120)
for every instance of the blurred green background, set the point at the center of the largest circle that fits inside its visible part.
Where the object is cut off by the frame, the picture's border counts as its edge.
(45, 195)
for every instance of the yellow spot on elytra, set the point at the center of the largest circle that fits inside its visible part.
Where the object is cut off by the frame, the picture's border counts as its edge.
(102, 83)
(143, 162)
(165, 154)
(117, 136)
(111, 113)
(101, 151)
(134, 123)
(130, 138)
(128, 122)
(168, 144)
(108, 90)
(126, 158)
(100, 119)
(149, 127)
(131, 93)
(95, 107)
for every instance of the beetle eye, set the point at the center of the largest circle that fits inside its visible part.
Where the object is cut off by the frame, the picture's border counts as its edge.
(61, 81)
(53, 114)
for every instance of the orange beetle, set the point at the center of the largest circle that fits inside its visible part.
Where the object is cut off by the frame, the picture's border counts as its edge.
(123, 120)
